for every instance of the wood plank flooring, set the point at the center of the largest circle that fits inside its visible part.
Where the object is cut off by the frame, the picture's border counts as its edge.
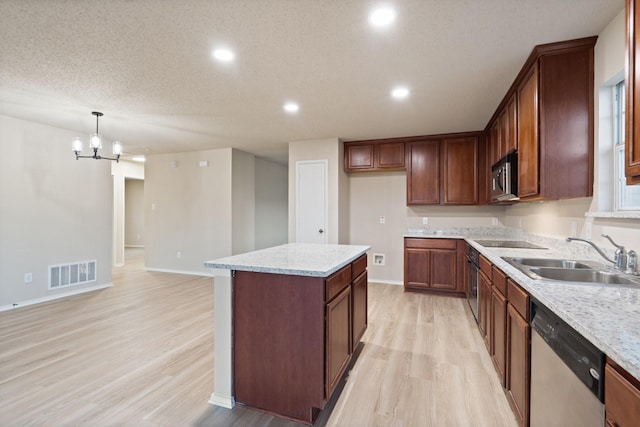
(141, 354)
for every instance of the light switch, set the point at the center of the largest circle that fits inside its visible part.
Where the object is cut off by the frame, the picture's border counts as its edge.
(382, 219)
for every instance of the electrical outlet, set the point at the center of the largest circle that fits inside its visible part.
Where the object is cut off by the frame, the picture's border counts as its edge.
(588, 230)
(28, 277)
(382, 219)
(425, 220)
(574, 228)
(494, 221)
(178, 254)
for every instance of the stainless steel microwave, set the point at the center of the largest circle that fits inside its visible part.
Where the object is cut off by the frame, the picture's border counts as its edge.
(504, 178)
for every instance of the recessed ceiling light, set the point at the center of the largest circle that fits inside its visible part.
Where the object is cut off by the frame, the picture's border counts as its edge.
(291, 107)
(138, 159)
(400, 92)
(224, 55)
(382, 16)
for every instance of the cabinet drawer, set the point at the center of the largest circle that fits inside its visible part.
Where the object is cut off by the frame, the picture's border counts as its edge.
(485, 266)
(337, 282)
(621, 399)
(358, 266)
(430, 243)
(519, 298)
(499, 280)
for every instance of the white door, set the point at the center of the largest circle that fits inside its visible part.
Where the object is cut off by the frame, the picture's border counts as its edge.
(311, 201)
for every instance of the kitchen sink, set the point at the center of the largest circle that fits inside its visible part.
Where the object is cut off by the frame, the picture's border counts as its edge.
(549, 262)
(566, 270)
(579, 275)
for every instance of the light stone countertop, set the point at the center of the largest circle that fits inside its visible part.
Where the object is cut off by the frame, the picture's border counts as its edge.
(606, 315)
(296, 259)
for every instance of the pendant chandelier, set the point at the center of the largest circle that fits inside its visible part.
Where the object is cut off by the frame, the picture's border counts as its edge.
(95, 143)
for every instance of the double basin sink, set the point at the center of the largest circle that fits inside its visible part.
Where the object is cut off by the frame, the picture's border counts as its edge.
(571, 271)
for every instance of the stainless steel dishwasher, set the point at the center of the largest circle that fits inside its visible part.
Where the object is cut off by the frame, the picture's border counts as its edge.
(567, 380)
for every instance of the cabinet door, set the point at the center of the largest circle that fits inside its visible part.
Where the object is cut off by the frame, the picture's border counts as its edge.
(359, 311)
(512, 130)
(358, 157)
(460, 166)
(503, 132)
(518, 362)
(528, 136)
(494, 143)
(443, 269)
(416, 268)
(423, 173)
(389, 155)
(484, 302)
(338, 338)
(632, 139)
(621, 399)
(499, 332)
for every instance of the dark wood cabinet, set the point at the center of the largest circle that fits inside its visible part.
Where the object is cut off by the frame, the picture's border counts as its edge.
(460, 170)
(338, 338)
(498, 322)
(632, 82)
(518, 352)
(294, 336)
(359, 295)
(528, 147)
(555, 122)
(423, 172)
(621, 396)
(484, 309)
(374, 155)
(443, 171)
(547, 117)
(431, 265)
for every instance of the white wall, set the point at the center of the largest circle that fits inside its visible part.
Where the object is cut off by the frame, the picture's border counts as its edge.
(134, 212)
(243, 202)
(558, 218)
(271, 204)
(188, 209)
(329, 149)
(210, 212)
(373, 195)
(55, 209)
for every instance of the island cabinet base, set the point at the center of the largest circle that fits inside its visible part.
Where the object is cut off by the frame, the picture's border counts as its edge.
(293, 339)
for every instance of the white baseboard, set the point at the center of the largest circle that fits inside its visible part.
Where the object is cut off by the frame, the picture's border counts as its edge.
(386, 282)
(55, 296)
(223, 401)
(167, 270)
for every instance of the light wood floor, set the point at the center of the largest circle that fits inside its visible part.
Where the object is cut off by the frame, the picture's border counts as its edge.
(141, 354)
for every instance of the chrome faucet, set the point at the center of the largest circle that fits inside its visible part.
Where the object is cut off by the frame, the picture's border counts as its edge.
(620, 257)
(602, 254)
(621, 261)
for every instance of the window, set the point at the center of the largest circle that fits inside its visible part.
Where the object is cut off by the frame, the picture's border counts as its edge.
(626, 197)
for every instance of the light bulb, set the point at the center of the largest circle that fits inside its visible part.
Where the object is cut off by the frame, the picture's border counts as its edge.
(77, 145)
(117, 148)
(95, 141)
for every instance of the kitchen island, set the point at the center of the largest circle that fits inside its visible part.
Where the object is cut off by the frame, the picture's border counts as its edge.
(288, 320)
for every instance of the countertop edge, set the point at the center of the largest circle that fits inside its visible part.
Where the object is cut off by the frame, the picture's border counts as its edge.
(363, 249)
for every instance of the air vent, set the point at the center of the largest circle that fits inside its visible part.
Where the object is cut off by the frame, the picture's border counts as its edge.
(64, 275)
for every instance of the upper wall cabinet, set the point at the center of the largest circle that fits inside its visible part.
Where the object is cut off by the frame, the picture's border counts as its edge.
(547, 116)
(371, 156)
(443, 171)
(632, 81)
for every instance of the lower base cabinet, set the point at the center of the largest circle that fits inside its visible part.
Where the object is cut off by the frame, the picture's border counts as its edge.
(621, 397)
(294, 337)
(431, 265)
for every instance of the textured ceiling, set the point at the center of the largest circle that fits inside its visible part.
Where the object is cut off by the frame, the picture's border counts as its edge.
(147, 65)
